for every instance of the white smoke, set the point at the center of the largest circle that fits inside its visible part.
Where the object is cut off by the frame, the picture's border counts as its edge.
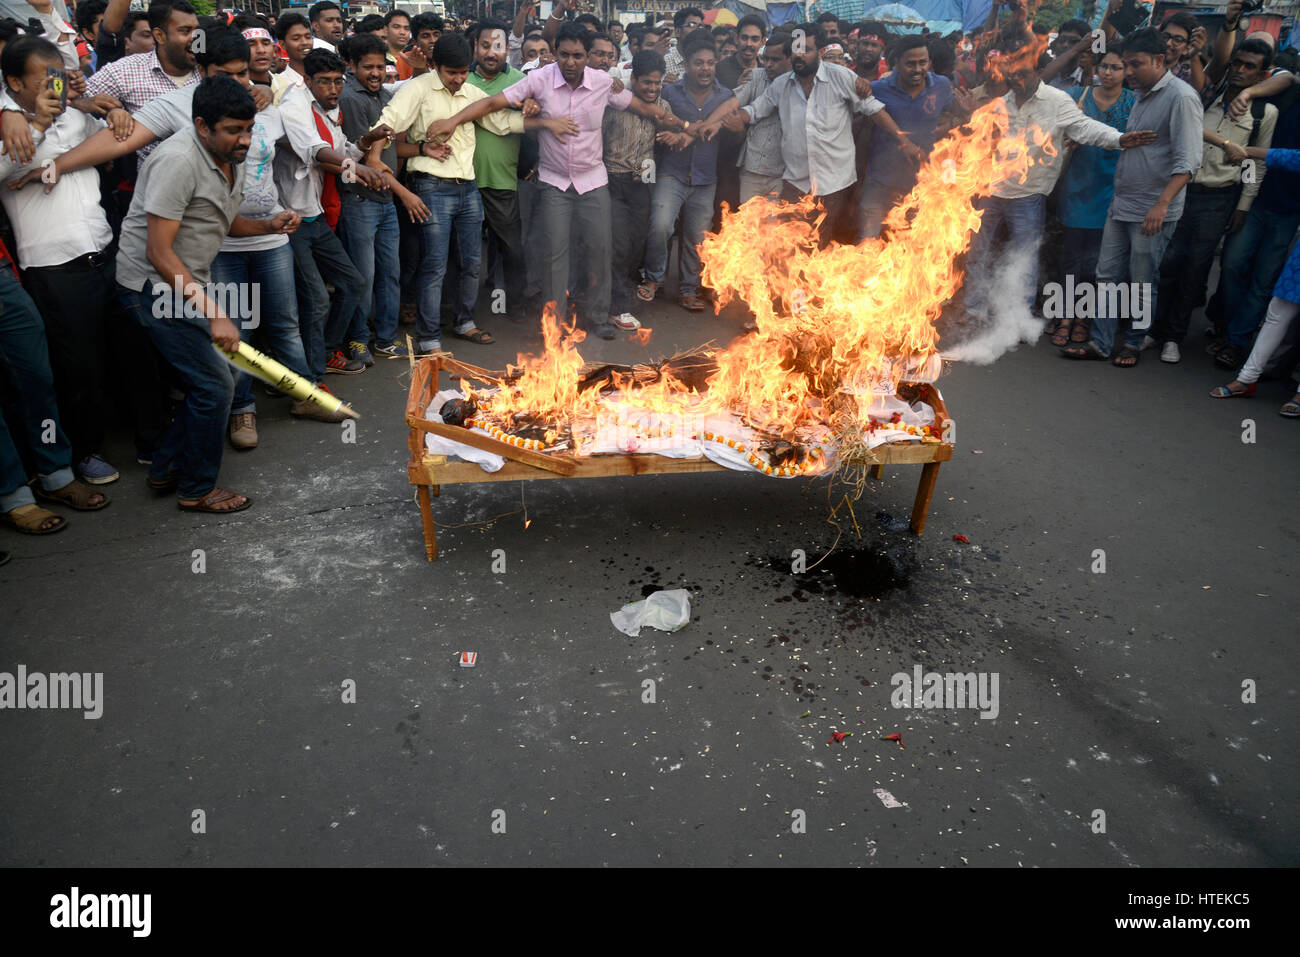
(1009, 321)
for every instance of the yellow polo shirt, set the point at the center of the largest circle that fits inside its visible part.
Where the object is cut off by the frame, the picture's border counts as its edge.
(424, 99)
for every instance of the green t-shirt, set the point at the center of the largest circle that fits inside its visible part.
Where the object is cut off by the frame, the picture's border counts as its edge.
(496, 158)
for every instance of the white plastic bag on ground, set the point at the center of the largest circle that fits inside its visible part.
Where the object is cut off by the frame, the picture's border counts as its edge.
(665, 610)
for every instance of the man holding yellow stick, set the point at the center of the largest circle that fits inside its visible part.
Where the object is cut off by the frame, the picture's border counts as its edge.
(186, 201)
(262, 366)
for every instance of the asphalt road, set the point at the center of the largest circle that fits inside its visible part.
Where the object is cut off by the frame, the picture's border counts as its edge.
(1119, 692)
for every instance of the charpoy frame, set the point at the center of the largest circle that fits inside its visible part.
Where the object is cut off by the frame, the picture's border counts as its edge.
(428, 472)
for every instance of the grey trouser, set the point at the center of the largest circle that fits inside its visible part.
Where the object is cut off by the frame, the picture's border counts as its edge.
(590, 212)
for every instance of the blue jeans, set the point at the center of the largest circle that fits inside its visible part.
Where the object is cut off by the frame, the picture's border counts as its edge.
(271, 273)
(26, 359)
(1128, 257)
(370, 234)
(1025, 217)
(1253, 258)
(695, 203)
(454, 208)
(319, 256)
(192, 448)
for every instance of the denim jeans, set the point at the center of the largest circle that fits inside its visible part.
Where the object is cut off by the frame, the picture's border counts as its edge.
(192, 449)
(456, 208)
(1025, 218)
(695, 203)
(1187, 260)
(1129, 257)
(318, 256)
(559, 212)
(26, 360)
(270, 271)
(1253, 258)
(875, 200)
(372, 239)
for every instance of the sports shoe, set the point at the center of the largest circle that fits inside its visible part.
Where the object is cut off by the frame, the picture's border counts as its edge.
(243, 430)
(1170, 353)
(340, 364)
(394, 350)
(1148, 343)
(310, 410)
(93, 470)
(626, 321)
(361, 352)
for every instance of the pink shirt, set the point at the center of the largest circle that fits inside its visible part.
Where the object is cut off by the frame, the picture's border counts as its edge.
(579, 160)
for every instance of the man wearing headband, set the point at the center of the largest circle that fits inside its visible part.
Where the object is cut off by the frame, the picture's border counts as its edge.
(870, 39)
(833, 53)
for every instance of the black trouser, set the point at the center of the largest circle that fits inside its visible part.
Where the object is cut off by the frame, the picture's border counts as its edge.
(839, 225)
(629, 207)
(501, 217)
(728, 189)
(1185, 268)
(78, 301)
(85, 322)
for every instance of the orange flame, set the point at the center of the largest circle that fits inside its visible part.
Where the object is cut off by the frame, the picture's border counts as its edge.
(833, 324)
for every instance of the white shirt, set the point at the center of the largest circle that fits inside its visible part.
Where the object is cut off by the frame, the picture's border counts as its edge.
(284, 81)
(56, 228)
(297, 176)
(1054, 112)
(816, 130)
(318, 44)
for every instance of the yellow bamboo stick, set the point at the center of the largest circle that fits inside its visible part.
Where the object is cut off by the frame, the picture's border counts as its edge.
(263, 367)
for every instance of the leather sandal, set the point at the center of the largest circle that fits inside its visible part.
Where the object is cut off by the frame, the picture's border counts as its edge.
(215, 498)
(31, 520)
(76, 494)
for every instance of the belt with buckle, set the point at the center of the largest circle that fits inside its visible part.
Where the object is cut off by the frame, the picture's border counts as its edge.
(442, 179)
(84, 262)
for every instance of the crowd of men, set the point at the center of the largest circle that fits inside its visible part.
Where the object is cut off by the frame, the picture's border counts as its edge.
(173, 181)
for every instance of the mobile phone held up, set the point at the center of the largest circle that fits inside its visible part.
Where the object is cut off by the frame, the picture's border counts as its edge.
(59, 84)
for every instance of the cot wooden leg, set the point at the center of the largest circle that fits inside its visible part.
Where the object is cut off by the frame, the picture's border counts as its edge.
(437, 490)
(924, 491)
(426, 517)
(876, 471)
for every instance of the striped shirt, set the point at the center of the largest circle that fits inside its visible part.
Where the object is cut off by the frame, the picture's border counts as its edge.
(629, 140)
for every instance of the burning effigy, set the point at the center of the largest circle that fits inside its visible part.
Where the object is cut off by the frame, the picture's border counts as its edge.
(844, 335)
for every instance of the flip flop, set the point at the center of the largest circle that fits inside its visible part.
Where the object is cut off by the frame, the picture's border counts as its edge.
(1128, 352)
(477, 336)
(646, 291)
(1290, 409)
(213, 498)
(1223, 392)
(1085, 351)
